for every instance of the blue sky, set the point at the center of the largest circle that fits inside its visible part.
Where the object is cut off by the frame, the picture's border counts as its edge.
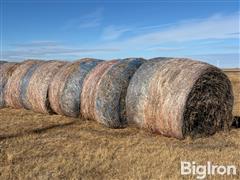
(69, 30)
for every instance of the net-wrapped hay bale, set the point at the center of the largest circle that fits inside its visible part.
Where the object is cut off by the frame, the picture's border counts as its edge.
(110, 108)
(66, 86)
(110, 92)
(6, 70)
(89, 88)
(179, 98)
(15, 91)
(37, 90)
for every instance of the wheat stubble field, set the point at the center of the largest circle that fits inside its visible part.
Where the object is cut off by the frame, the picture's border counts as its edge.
(37, 146)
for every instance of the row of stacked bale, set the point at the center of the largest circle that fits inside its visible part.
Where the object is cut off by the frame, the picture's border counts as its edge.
(173, 97)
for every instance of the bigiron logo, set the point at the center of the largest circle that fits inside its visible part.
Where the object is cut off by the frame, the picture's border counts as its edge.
(209, 169)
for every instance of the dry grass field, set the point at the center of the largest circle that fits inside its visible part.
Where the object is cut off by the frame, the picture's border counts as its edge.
(37, 146)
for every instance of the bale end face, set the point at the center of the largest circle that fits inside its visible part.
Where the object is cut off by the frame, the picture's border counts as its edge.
(208, 108)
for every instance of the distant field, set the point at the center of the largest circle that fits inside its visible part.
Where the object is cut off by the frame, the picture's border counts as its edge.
(234, 76)
(36, 146)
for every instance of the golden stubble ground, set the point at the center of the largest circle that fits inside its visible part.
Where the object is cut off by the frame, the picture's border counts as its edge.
(37, 146)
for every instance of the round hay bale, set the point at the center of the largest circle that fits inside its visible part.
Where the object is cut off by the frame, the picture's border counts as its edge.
(37, 90)
(66, 86)
(110, 92)
(6, 71)
(15, 91)
(89, 88)
(179, 98)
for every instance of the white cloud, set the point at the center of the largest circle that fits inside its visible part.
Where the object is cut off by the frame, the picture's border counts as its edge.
(157, 48)
(113, 32)
(184, 37)
(213, 28)
(42, 49)
(222, 60)
(36, 44)
(93, 19)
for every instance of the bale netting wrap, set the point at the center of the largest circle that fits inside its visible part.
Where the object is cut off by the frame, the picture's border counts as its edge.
(15, 91)
(37, 90)
(179, 98)
(66, 87)
(109, 105)
(89, 88)
(6, 70)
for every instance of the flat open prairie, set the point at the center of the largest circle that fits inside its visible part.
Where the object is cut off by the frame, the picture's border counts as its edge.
(234, 76)
(37, 146)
